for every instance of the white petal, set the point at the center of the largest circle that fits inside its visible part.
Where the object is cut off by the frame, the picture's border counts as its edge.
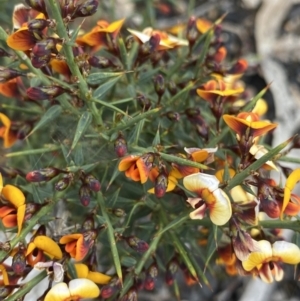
(198, 181)
(220, 212)
(286, 252)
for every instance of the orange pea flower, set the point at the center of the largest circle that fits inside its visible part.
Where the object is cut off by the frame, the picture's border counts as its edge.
(45, 246)
(79, 244)
(102, 35)
(137, 168)
(12, 88)
(209, 196)
(266, 261)
(75, 290)
(13, 214)
(214, 89)
(248, 125)
(24, 39)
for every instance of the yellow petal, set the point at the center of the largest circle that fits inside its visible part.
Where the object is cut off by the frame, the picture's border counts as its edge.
(261, 107)
(14, 195)
(98, 278)
(291, 181)
(286, 252)
(30, 248)
(5, 278)
(58, 292)
(83, 288)
(257, 258)
(220, 212)
(82, 270)
(20, 217)
(228, 92)
(46, 244)
(198, 181)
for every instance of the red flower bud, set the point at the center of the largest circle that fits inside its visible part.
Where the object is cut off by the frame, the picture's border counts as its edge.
(172, 87)
(149, 283)
(38, 5)
(87, 8)
(192, 32)
(173, 116)
(45, 92)
(130, 296)
(137, 244)
(92, 183)
(40, 61)
(111, 288)
(144, 102)
(19, 262)
(6, 74)
(154, 42)
(84, 195)
(172, 268)
(159, 85)
(64, 182)
(99, 62)
(44, 47)
(118, 212)
(161, 184)
(192, 112)
(42, 175)
(37, 24)
(120, 146)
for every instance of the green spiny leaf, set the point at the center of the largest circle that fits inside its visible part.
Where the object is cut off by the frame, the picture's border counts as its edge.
(49, 116)
(83, 124)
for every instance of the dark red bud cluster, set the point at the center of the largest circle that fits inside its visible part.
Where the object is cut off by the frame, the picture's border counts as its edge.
(42, 175)
(137, 244)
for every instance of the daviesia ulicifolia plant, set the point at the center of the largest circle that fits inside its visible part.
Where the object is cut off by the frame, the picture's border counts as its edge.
(128, 149)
